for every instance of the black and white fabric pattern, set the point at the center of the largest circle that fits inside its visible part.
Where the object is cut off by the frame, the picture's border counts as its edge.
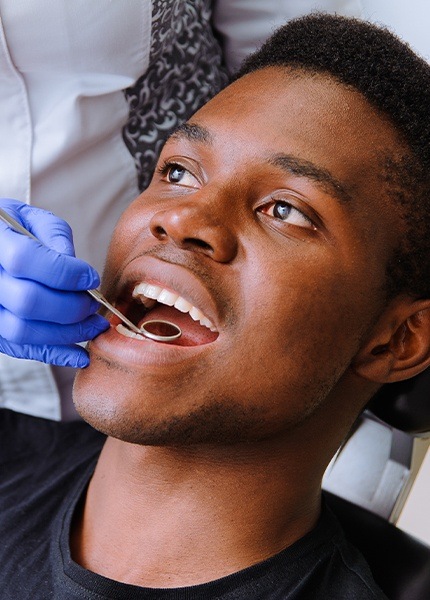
(185, 70)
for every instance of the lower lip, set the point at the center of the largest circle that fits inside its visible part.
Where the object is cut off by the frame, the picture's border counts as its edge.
(128, 351)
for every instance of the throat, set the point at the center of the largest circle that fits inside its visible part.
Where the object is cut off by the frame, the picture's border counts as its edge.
(154, 532)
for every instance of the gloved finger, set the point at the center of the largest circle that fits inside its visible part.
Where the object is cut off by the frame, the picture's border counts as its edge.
(51, 230)
(23, 257)
(21, 331)
(31, 300)
(52, 262)
(61, 356)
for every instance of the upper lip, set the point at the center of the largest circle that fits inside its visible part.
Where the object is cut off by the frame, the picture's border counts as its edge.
(176, 278)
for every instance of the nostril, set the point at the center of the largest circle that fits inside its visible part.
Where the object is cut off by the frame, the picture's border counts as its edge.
(198, 244)
(158, 231)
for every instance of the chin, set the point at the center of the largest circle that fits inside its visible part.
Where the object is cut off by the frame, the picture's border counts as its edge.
(211, 422)
(106, 406)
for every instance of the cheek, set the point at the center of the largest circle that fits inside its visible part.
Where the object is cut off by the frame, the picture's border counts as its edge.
(303, 330)
(130, 229)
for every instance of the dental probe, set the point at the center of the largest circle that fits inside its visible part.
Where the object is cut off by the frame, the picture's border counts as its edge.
(176, 331)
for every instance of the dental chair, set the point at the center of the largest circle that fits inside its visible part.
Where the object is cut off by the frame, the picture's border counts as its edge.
(368, 482)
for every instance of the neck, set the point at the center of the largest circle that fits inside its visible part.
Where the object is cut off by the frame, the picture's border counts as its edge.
(192, 515)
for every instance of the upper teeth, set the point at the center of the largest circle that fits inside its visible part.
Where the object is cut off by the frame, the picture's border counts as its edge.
(149, 294)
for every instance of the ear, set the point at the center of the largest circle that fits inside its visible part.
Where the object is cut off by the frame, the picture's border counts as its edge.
(398, 347)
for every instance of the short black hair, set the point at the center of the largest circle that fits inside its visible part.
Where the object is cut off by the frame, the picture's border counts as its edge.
(396, 81)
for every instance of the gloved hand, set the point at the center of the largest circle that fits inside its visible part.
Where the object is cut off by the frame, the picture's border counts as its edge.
(43, 310)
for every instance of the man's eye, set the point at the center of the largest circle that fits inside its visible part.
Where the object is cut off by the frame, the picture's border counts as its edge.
(284, 211)
(179, 175)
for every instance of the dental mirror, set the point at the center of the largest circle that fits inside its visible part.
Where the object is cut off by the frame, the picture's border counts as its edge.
(157, 330)
(161, 331)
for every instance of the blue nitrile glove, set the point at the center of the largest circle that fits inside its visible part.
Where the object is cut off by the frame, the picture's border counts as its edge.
(43, 311)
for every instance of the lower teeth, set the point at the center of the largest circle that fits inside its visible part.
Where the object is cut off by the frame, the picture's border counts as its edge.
(128, 333)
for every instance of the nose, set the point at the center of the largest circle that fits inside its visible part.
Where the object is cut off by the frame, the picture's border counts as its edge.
(192, 226)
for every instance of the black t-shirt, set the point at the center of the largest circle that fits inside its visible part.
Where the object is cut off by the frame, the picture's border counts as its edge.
(44, 469)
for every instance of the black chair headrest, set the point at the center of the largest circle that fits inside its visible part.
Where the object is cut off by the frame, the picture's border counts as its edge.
(405, 405)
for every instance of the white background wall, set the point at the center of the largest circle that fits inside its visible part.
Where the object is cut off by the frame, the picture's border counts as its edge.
(410, 19)
(415, 517)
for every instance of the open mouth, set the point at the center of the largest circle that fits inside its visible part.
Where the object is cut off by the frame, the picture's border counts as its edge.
(146, 302)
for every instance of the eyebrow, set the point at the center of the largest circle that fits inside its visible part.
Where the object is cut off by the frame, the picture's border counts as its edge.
(304, 168)
(293, 165)
(193, 132)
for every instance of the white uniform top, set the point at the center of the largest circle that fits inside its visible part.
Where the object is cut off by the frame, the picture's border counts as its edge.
(63, 70)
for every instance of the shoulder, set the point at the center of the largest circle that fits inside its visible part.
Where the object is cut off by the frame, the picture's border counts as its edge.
(337, 570)
(322, 565)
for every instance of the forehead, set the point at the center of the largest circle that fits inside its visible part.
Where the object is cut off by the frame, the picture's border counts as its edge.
(311, 117)
(282, 98)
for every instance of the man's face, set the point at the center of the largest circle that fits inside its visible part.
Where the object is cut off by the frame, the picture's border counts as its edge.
(267, 214)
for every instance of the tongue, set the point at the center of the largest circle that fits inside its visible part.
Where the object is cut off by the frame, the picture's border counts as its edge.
(193, 334)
